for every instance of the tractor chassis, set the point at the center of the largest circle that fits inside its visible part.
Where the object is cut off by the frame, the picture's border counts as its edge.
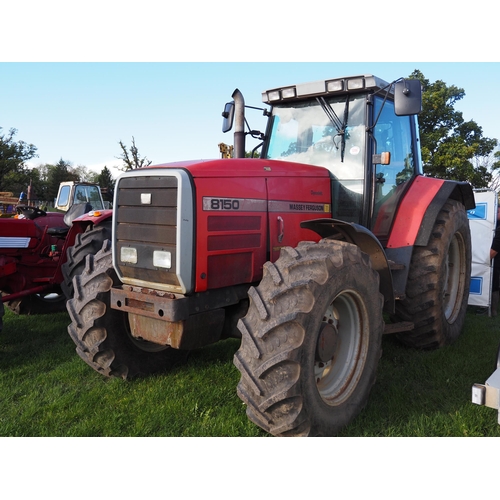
(178, 321)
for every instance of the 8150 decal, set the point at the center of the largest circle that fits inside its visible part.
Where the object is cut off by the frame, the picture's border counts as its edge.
(234, 204)
(224, 204)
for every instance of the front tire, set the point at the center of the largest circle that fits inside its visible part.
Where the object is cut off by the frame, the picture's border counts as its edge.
(101, 334)
(438, 284)
(311, 340)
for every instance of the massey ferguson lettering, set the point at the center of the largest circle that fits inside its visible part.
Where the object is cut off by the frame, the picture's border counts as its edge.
(306, 208)
(303, 207)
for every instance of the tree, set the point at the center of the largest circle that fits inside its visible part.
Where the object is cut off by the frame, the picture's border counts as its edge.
(83, 173)
(106, 183)
(18, 180)
(451, 147)
(13, 156)
(132, 160)
(60, 172)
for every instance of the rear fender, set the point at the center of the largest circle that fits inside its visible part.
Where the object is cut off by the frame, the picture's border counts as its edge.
(367, 242)
(416, 218)
(418, 210)
(93, 218)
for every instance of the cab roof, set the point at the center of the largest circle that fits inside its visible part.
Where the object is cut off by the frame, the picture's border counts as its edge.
(323, 88)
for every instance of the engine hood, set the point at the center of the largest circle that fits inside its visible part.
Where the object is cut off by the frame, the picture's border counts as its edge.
(244, 167)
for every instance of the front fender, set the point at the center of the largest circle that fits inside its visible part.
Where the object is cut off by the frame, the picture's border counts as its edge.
(366, 241)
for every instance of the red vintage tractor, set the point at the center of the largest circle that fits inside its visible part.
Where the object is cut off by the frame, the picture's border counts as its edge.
(41, 251)
(330, 239)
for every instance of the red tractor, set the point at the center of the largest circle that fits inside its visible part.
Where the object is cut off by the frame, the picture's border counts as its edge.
(41, 251)
(330, 239)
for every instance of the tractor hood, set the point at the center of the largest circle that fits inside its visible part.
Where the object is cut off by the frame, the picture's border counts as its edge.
(245, 167)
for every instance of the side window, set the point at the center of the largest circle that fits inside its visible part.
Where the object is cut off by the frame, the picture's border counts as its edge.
(64, 196)
(393, 135)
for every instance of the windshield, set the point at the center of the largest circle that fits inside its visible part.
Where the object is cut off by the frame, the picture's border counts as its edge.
(90, 194)
(304, 133)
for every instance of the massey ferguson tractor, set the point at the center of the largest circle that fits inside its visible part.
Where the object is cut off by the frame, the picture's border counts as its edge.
(309, 254)
(41, 251)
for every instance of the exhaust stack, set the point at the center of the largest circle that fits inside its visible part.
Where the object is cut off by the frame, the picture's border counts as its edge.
(239, 124)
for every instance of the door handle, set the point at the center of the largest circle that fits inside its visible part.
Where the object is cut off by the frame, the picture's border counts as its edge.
(281, 229)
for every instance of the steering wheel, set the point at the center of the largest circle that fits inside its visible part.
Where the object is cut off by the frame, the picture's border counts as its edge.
(30, 212)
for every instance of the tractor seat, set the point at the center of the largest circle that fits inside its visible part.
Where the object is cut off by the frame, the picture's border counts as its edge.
(74, 212)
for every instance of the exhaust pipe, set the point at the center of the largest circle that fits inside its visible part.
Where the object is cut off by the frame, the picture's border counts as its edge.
(239, 124)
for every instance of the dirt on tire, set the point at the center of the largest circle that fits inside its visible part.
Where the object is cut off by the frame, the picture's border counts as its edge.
(87, 243)
(288, 391)
(101, 334)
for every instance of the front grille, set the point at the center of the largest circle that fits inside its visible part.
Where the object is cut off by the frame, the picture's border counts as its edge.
(148, 210)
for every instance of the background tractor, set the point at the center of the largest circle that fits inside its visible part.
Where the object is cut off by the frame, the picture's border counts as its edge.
(330, 239)
(41, 251)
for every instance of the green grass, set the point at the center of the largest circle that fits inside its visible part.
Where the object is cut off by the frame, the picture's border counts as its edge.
(47, 390)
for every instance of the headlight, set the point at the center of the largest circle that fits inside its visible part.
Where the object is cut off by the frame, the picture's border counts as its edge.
(289, 92)
(162, 259)
(274, 95)
(128, 255)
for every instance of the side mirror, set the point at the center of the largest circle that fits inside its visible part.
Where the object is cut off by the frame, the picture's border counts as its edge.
(228, 115)
(407, 97)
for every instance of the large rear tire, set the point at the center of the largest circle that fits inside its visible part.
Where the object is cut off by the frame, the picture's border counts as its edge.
(87, 243)
(311, 340)
(438, 284)
(101, 334)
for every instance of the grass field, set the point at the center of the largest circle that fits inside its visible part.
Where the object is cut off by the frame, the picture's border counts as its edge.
(47, 390)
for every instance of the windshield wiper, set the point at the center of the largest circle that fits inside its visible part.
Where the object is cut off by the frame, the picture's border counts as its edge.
(340, 126)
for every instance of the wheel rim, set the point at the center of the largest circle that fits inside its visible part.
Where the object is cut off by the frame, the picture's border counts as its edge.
(455, 275)
(337, 378)
(51, 297)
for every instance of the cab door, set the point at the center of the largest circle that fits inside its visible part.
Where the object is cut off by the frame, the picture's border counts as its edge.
(292, 200)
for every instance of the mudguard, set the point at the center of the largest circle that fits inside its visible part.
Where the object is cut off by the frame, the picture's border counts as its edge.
(412, 226)
(95, 217)
(417, 211)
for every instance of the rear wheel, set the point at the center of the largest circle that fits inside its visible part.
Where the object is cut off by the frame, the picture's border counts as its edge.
(87, 243)
(39, 303)
(311, 340)
(101, 334)
(438, 282)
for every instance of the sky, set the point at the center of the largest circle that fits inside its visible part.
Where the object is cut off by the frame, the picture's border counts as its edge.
(76, 82)
(76, 78)
(79, 111)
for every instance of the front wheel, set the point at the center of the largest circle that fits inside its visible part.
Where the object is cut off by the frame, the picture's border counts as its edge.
(101, 334)
(311, 340)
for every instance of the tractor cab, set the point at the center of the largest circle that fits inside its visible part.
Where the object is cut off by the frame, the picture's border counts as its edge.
(362, 129)
(76, 193)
